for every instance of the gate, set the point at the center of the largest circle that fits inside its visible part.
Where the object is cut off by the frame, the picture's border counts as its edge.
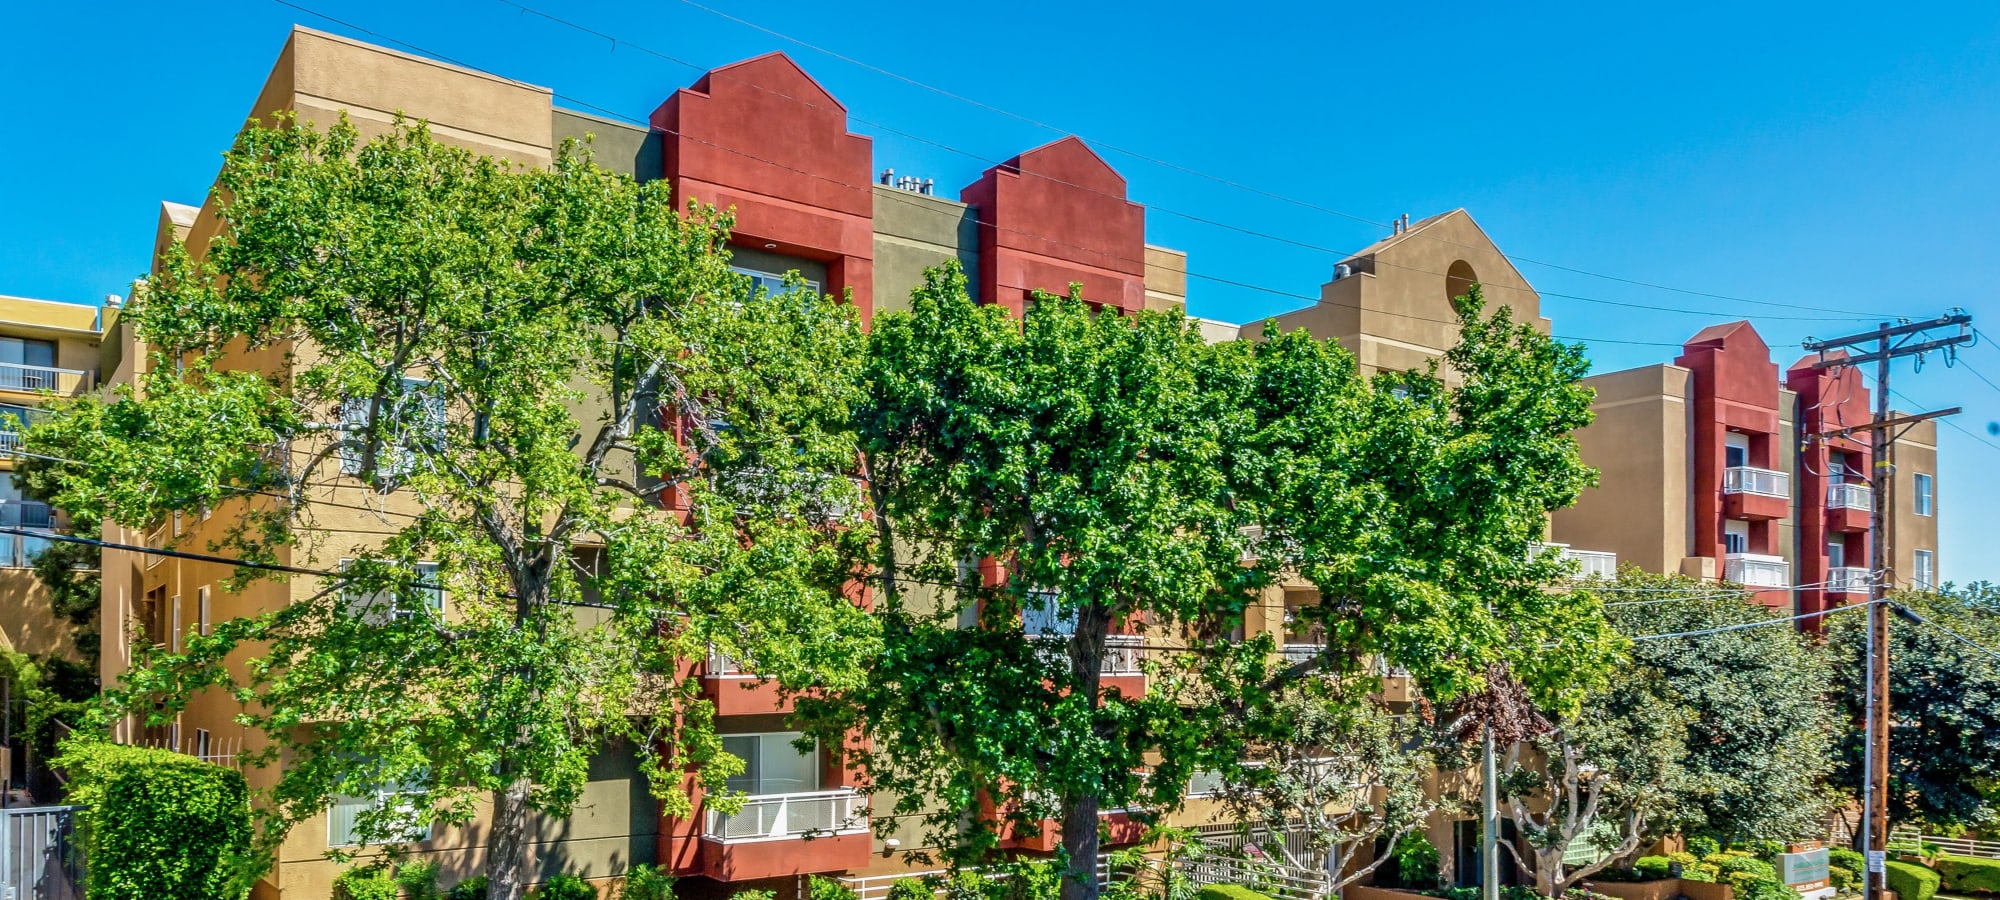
(39, 855)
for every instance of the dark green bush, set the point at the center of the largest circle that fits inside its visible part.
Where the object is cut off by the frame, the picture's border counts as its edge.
(1844, 879)
(648, 883)
(418, 880)
(1652, 867)
(1415, 860)
(909, 889)
(366, 883)
(473, 888)
(754, 895)
(1851, 860)
(564, 887)
(1703, 847)
(1228, 892)
(1911, 881)
(824, 888)
(1969, 874)
(158, 825)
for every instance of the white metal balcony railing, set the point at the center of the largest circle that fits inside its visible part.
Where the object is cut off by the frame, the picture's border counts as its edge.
(1590, 563)
(67, 382)
(1295, 653)
(779, 816)
(10, 440)
(1848, 580)
(1847, 495)
(720, 666)
(1124, 654)
(19, 551)
(1762, 482)
(1757, 570)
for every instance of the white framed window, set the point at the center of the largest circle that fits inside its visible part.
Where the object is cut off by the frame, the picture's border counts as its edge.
(1042, 615)
(380, 607)
(174, 623)
(1735, 450)
(201, 620)
(772, 763)
(1205, 783)
(1735, 536)
(1925, 576)
(395, 810)
(1836, 554)
(201, 743)
(1926, 494)
(773, 283)
(414, 419)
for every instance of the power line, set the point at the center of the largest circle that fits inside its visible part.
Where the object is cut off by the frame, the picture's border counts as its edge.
(1747, 625)
(1912, 615)
(1166, 163)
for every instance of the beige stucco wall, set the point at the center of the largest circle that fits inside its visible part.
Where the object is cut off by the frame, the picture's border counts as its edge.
(1639, 445)
(1915, 452)
(1166, 279)
(914, 232)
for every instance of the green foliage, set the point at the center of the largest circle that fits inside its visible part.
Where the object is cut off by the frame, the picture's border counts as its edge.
(1944, 753)
(473, 888)
(1911, 881)
(910, 889)
(1652, 867)
(516, 363)
(824, 888)
(1846, 858)
(1228, 892)
(1416, 862)
(754, 895)
(1760, 733)
(158, 825)
(1844, 879)
(1734, 862)
(565, 887)
(647, 882)
(1969, 874)
(1703, 846)
(365, 883)
(418, 880)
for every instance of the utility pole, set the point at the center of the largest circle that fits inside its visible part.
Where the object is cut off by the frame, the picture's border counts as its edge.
(1489, 822)
(1889, 342)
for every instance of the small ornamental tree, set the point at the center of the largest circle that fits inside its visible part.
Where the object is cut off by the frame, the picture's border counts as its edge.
(158, 825)
(1944, 751)
(547, 385)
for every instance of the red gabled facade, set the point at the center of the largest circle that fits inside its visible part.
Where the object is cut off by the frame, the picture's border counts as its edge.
(1735, 392)
(1055, 216)
(1835, 485)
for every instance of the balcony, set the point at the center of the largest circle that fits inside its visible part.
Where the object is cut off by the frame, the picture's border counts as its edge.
(1849, 507)
(1755, 570)
(779, 835)
(1752, 493)
(737, 691)
(1295, 653)
(1590, 563)
(19, 551)
(34, 379)
(1848, 580)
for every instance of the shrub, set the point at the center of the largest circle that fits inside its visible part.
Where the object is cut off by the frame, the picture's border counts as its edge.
(364, 883)
(1851, 860)
(1911, 881)
(909, 889)
(754, 895)
(473, 888)
(1703, 847)
(1969, 874)
(1734, 862)
(159, 825)
(1700, 871)
(648, 883)
(1652, 867)
(1845, 880)
(1228, 892)
(824, 888)
(1415, 861)
(565, 887)
(418, 880)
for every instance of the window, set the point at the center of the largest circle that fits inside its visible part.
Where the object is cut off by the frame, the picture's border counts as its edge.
(174, 624)
(1205, 783)
(1735, 537)
(25, 364)
(1925, 493)
(772, 764)
(1042, 614)
(1836, 554)
(393, 812)
(380, 607)
(1925, 576)
(411, 420)
(1736, 450)
(201, 620)
(773, 283)
(201, 743)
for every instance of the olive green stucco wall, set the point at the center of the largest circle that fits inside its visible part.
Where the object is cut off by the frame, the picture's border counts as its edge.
(914, 232)
(618, 146)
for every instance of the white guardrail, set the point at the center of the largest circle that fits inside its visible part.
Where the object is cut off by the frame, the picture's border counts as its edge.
(40, 858)
(1751, 480)
(1757, 570)
(1847, 495)
(1953, 846)
(774, 816)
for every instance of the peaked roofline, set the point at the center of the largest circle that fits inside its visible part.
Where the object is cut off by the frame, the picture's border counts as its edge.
(1719, 333)
(701, 84)
(1014, 162)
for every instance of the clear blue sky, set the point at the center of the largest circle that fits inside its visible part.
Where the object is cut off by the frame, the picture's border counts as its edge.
(1829, 155)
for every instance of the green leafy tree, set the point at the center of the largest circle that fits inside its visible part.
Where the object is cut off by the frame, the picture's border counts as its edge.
(1345, 776)
(1038, 483)
(512, 369)
(1762, 739)
(1944, 698)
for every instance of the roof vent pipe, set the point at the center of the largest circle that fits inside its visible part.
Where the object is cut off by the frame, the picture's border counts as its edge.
(888, 176)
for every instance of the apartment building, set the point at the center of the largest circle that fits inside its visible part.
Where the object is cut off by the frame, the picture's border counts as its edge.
(47, 348)
(1720, 467)
(763, 138)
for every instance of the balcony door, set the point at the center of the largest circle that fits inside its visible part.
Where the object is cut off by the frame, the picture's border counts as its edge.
(1836, 554)
(1735, 536)
(771, 764)
(1735, 450)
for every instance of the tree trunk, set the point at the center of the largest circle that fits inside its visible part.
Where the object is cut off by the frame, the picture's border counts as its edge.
(507, 852)
(1079, 837)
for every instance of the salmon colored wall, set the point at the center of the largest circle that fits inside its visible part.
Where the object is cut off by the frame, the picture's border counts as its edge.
(1057, 215)
(1735, 388)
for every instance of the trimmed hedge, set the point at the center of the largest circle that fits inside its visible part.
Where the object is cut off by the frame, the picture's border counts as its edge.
(1228, 892)
(1911, 881)
(373, 883)
(1969, 874)
(1851, 860)
(158, 825)
(1652, 867)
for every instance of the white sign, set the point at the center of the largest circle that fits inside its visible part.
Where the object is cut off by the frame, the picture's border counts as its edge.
(1875, 860)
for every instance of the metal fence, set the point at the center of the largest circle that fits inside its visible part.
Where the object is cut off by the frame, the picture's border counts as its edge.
(1954, 846)
(40, 858)
(876, 887)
